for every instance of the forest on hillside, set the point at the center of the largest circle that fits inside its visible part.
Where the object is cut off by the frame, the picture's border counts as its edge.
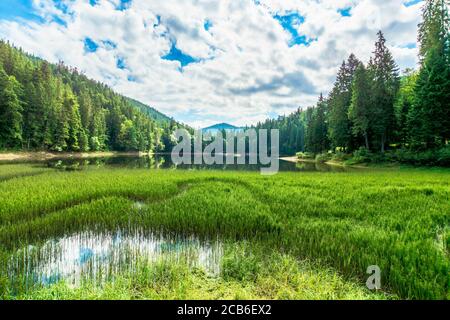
(372, 109)
(52, 107)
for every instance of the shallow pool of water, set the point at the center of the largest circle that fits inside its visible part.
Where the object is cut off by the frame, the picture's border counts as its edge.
(99, 257)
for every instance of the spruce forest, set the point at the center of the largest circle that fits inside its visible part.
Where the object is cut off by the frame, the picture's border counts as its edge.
(371, 108)
(57, 108)
(375, 108)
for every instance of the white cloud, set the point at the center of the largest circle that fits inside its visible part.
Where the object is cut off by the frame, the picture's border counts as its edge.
(246, 69)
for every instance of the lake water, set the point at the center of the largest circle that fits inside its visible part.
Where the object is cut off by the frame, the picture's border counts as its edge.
(100, 256)
(165, 162)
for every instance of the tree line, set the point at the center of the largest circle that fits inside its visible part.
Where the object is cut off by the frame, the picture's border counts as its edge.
(371, 106)
(53, 107)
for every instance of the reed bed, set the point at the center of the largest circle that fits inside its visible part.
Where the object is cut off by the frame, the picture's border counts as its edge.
(305, 229)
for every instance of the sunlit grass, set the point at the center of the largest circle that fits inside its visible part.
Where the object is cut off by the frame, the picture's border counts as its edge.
(344, 222)
(11, 171)
(258, 276)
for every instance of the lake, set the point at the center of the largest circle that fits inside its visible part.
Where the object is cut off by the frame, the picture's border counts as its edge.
(164, 161)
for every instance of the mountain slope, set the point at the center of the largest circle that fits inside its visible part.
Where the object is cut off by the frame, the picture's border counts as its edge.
(46, 106)
(150, 111)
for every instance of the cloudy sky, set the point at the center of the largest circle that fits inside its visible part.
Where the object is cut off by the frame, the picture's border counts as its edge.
(209, 61)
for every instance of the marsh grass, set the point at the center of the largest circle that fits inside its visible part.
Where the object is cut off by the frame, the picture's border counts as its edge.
(11, 171)
(340, 222)
(279, 277)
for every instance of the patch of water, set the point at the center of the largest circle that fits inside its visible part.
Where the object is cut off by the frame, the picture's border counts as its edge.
(139, 205)
(99, 256)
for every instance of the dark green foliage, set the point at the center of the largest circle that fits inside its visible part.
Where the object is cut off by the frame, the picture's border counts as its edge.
(404, 104)
(385, 85)
(292, 131)
(318, 132)
(372, 106)
(362, 155)
(432, 157)
(360, 111)
(151, 112)
(53, 107)
(323, 157)
(10, 111)
(302, 130)
(305, 155)
(429, 117)
(339, 124)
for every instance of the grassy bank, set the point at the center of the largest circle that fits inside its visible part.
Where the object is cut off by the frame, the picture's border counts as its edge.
(312, 235)
(362, 157)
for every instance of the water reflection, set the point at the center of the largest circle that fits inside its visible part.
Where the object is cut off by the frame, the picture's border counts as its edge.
(165, 162)
(99, 256)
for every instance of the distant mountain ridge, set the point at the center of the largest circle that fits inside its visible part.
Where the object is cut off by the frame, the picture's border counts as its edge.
(221, 126)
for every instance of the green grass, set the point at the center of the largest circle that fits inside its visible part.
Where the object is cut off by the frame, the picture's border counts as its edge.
(11, 171)
(311, 235)
(281, 277)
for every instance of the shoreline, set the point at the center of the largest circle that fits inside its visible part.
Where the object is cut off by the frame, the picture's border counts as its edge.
(45, 155)
(294, 159)
(392, 165)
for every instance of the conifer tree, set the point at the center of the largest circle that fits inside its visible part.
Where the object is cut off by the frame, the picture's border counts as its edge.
(317, 132)
(385, 85)
(404, 103)
(10, 112)
(60, 109)
(360, 108)
(429, 118)
(309, 121)
(339, 125)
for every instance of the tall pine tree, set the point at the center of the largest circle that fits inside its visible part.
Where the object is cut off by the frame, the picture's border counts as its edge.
(360, 109)
(385, 87)
(339, 125)
(429, 118)
(10, 111)
(317, 133)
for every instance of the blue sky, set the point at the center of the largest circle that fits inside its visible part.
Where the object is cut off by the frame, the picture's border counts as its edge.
(176, 54)
(15, 9)
(291, 23)
(409, 3)
(345, 12)
(202, 62)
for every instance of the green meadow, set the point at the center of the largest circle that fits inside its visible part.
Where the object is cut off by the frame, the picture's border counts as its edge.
(295, 235)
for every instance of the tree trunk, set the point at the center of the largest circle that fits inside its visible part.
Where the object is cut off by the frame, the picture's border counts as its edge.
(366, 137)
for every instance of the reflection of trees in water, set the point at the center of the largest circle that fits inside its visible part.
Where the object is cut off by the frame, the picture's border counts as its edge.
(164, 161)
(150, 162)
